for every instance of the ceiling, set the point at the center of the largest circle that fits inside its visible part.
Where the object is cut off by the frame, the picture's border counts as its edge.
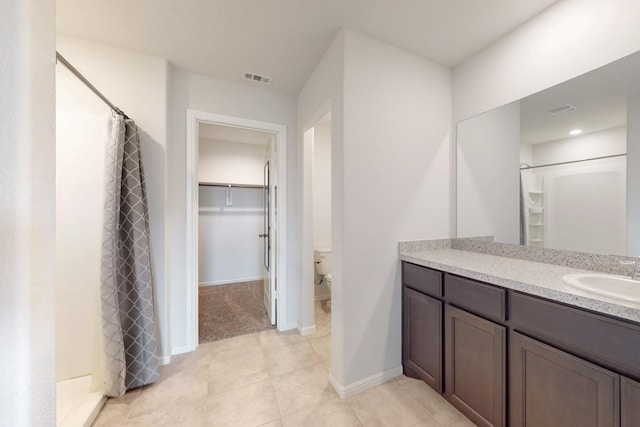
(285, 39)
(600, 97)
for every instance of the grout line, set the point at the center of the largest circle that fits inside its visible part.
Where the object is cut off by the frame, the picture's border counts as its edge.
(347, 400)
(275, 395)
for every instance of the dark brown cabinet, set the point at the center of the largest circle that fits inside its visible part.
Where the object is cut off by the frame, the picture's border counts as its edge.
(567, 366)
(549, 387)
(475, 366)
(608, 342)
(421, 279)
(630, 403)
(422, 337)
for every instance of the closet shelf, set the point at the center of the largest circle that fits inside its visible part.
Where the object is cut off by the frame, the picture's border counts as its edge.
(228, 185)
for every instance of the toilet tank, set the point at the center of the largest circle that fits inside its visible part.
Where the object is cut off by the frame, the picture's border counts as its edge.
(322, 260)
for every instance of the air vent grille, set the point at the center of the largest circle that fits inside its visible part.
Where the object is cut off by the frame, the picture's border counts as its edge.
(257, 78)
(563, 109)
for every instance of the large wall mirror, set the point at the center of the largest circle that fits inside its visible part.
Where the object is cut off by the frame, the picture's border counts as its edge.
(558, 169)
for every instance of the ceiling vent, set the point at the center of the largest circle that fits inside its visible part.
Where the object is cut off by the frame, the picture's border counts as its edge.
(257, 78)
(563, 109)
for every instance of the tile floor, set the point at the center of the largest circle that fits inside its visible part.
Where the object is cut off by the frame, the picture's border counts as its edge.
(272, 379)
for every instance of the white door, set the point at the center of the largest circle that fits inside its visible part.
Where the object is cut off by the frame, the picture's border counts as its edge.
(270, 235)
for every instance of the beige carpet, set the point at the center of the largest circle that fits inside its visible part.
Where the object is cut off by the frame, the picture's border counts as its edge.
(229, 310)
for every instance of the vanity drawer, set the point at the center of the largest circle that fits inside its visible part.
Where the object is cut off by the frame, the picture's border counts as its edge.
(422, 279)
(608, 342)
(476, 297)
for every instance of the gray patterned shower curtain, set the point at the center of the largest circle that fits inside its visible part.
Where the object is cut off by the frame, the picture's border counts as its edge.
(127, 280)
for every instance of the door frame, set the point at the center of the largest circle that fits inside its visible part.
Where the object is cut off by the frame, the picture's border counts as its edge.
(194, 118)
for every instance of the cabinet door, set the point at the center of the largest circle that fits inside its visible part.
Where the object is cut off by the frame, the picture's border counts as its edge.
(550, 388)
(630, 403)
(422, 338)
(475, 367)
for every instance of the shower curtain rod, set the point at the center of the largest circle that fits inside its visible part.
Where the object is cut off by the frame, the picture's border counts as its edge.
(83, 79)
(526, 166)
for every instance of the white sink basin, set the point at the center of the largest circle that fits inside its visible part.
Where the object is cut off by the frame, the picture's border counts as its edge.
(622, 288)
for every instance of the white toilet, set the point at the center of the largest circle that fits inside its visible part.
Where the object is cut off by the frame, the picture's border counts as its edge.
(322, 262)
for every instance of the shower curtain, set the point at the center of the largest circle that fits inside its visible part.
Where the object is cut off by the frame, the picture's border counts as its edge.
(127, 280)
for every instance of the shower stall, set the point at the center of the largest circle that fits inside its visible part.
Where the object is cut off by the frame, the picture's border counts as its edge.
(106, 338)
(81, 134)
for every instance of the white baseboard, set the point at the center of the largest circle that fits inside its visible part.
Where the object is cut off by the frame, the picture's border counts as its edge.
(307, 330)
(365, 383)
(230, 282)
(179, 350)
(288, 326)
(164, 360)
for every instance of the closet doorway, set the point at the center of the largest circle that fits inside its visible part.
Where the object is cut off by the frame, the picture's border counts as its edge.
(236, 231)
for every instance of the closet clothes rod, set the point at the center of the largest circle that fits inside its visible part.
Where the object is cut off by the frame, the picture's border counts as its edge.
(87, 83)
(525, 166)
(219, 184)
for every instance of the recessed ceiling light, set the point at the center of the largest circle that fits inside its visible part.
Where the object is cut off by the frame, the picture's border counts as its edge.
(567, 108)
(575, 132)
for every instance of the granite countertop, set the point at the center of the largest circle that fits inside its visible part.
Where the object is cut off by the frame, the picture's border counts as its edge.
(535, 278)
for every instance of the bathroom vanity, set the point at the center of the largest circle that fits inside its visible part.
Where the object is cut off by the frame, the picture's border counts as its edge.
(508, 344)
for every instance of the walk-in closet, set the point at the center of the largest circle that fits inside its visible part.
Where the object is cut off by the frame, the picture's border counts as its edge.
(232, 231)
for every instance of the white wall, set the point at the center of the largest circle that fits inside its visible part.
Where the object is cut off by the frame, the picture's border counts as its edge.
(229, 249)
(565, 41)
(27, 239)
(322, 186)
(488, 165)
(526, 154)
(597, 144)
(191, 91)
(395, 171)
(390, 158)
(137, 84)
(230, 162)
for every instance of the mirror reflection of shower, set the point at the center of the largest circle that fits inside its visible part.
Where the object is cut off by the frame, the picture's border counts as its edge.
(577, 147)
(574, 192)
(322, 209)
